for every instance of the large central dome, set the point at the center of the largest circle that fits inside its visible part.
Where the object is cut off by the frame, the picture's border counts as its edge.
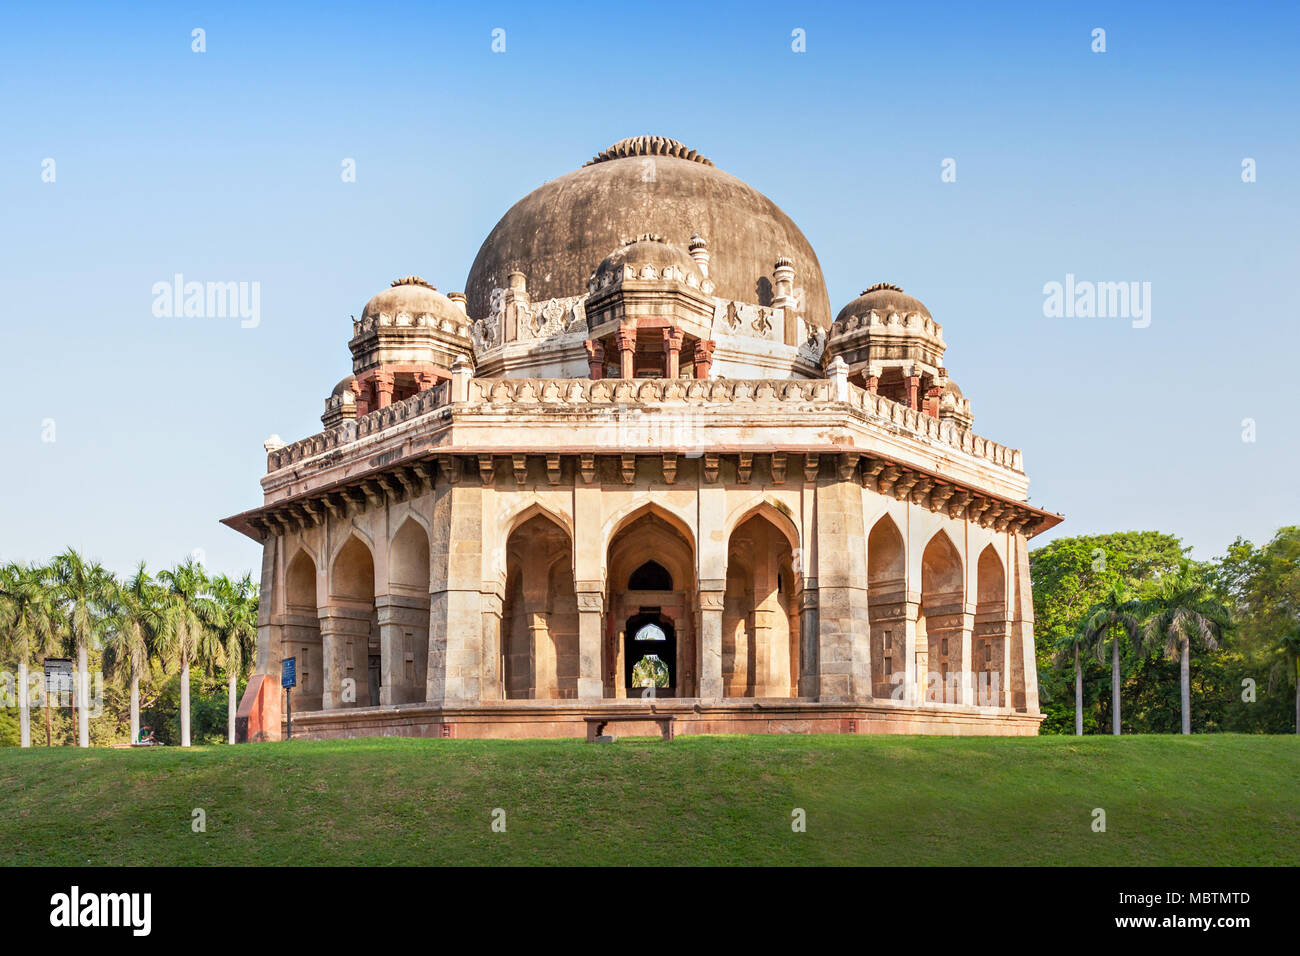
(560, 232)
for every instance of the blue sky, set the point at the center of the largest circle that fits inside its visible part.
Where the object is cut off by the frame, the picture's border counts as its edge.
(225, 166)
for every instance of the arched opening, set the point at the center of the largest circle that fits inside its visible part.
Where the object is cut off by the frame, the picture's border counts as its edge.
(760, 616)
(650, 570)
(301, 631)
(990, 642)
(539, 618)
(350, 630)
(886, 602)
(651, 576)
(940, 624)
(403, 615)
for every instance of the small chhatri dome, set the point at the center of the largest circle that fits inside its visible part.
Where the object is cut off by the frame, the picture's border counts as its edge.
(648, 146)
(651, 258)
(412, 296)
(884, 298)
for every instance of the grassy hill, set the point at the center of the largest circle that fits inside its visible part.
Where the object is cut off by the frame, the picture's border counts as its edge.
(1204, 800)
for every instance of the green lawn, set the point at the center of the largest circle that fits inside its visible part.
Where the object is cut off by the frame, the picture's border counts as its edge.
(1202, 800)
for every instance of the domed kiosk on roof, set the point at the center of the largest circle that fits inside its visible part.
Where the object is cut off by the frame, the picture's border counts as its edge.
(637, 454)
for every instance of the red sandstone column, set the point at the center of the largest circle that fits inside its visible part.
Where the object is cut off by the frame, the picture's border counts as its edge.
(596, 358)
(672, 352)
(361, 389)
(704, 357)
(913, 389)
(625, 339)
(425, 380)
(383, 389)
(932, 400)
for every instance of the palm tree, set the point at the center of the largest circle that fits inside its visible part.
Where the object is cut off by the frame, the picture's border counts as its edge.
(29, 616)
(1114, 614)
(1070, 646)
(236, 603)
(1183, 608)
(1289, 645)
(184, 636)
(82, 588)
(136, 617)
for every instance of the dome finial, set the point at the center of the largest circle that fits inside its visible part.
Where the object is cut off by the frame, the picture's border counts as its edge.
(648, 146)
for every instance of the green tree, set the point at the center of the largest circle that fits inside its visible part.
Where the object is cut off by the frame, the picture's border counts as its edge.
(136, 617)
(1072, 647)
(1289, 646)
(30, 621)
(1111, 618)
(235, 602)
(83, 588)
(183, 635)
(1184, 608)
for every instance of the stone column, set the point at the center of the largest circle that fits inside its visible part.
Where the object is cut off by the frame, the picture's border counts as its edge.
(871, 380)
(703, 357)
(383, 389)
(710, 639)
(542, 673)
(1022, 625)
(456, 575)
(913, 387)
(625, 339)
(344, 629)
(595, 358)
(966, 687)
(672, 350)
(914, 656)
(844, 665)
(492, 604)
(590, 617)
(808, 643)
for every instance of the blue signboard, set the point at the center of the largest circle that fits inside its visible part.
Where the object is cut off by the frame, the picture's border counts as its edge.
(289, 672)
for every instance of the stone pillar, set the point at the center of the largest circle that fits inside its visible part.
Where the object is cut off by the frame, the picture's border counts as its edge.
(838, 372)
(542, 678)
(383, 389)
(699, 250)
(402, 677)
(913, 387)
(703, 357)
(920, 634)
(492, 603)
(932, 400)
(914, 653)
(360, 388)
(808, 641)
(345, 635)
(710, 640)
(966, 685)
(783, 298)
(425, 381)
(1022, 626)
(844, 666)
(456, 575)
(595, 358)
(672, 350)
(871, 379)
(461, 373)
(590, 617)
(625, 339)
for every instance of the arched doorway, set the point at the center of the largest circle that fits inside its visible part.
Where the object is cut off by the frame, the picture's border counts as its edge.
(989, 645)
(539, 618)
(403, 615)
(350, 630)
(760, 617)
(650, 577)
(940, 624)
(301, 633)
(886, 604)
(650, 655)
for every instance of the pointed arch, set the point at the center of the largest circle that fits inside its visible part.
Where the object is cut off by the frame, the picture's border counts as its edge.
(886, 601)
(300, 635)
(539, 620)
(943, 598)
(352, 572)
(624, 518)
(775, 511)
(408, 559)
(990, 642)
(761, 605)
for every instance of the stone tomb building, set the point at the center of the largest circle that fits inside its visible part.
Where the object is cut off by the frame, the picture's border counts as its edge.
(638, 466)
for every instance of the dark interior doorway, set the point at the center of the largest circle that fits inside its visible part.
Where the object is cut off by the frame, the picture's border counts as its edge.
(650, 654)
